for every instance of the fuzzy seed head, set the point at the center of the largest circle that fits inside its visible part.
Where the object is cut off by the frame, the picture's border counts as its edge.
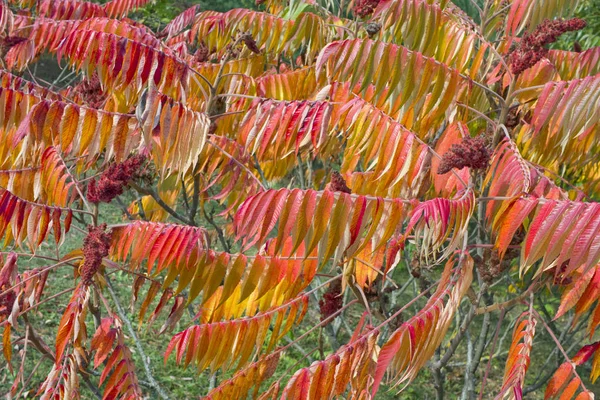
(338, 184)
(364, 8)
(114, 179)
(90, 92)
(95, 247)
(332, 300)
(471, 152)
(532, 48)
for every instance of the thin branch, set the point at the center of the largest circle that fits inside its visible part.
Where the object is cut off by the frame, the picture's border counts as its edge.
(503, 62)
(508, 304)
(19, 170)
(90, 385)
(47, 299)
(495, 198)
(145, 359)
(489, 364)
(312, 329)
(259, 169)
(481, 342)
(85, 202)
(30, 377)
(30, 256)
(37, 341)
(160, 202)
(115, 267)
(232, 158)
(438, 377)
(123, 208)
(560, 347)
(33, 203)
(245, 96)
(563, 180)
(210, 86)
(225, 114)
(195, 196)
(318, 326)
(406, 306)
(219, 231)
(343, 28)
(479, 10)
(64, 262)
(456, 340)
(522, 90)
(483, 87)
(184, 194)
(497, 13)
(479, 113)
(541, 380)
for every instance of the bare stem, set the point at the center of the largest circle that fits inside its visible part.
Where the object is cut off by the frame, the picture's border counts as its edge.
(85, 202)
(560, 347)
(160, 202)
(507, 304)
(145, 359)
(195, 197)
(489, 364)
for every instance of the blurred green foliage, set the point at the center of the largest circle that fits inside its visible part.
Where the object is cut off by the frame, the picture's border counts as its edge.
(469, 7)
(590, 35)
(160, 12)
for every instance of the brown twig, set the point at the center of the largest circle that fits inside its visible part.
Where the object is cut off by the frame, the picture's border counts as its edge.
(508, 304)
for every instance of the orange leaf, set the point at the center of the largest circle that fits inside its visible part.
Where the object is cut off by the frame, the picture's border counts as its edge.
(558, 380)
(6, 345)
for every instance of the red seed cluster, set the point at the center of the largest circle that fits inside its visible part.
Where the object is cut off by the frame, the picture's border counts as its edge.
(396, 322)
(95, 247)
(250, 42)
(90, 92)
(471, 152)
(491, 267)
(113, 179)
(513, 118)
(6, 302)
(532, 48)
(202, 54)
(332, 300)
(364, 8)
(337, 183)
(8, 274)
(560, 276)
(7, 42)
